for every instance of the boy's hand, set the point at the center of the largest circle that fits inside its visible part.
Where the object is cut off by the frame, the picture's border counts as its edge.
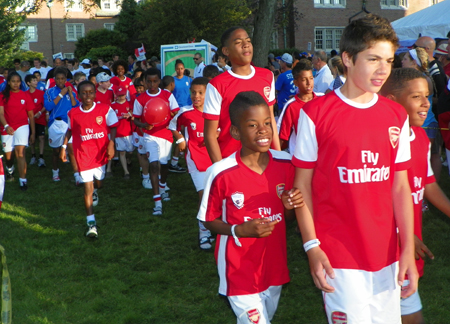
(292, 199)
(260, 227)
(421, 249)
(407, 266)
(32, 137)
(9, 130)
(147, 126)
(64, 91)
(318, 261)
(69, 90)
(110, 150)
(62, 154)
(182, 146)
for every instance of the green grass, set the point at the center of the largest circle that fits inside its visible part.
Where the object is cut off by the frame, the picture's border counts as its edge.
(147, 269)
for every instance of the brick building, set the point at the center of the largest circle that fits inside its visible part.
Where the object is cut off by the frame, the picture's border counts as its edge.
(321, 22)
(58, 25)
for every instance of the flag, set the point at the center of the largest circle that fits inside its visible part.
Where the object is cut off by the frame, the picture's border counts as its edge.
(140, 53)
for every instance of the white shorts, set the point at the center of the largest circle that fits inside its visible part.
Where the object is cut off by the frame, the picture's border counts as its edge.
(412, 304)
(124, 144)
(56, 133)
(198, 178)
(97, 173)
(138, 141)
(364, 297)
(19, 138)
(256, 308)
(157, 149)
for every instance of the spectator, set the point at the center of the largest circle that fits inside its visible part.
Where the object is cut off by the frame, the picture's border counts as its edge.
(284, 85)
(323, 77)
(24, 69)
(198, 71)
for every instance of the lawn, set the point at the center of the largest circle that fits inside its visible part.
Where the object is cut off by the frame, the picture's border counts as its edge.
(149, 269)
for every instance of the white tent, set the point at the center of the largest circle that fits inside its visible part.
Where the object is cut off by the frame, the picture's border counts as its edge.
(433, 21)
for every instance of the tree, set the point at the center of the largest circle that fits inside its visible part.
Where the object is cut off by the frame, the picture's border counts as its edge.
(106, 52)
(263, 27)
(98, 38)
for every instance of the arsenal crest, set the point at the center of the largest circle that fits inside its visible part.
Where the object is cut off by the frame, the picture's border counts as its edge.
(35, 100)
(394, 134)
(99, 120)
(338, 318)
(254, 316)
(193, 126)
(22, 101)
(280, 189)
(238, 199)
(267, 92)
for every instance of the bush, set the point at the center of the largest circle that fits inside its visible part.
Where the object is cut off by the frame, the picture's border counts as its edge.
(106, 52)
(23, 56)
(98, 38)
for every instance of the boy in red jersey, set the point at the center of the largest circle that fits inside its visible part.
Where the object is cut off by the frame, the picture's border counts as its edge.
(352, 157)
(157, 140)
(243, 204)
(90, 124)
(124, 144)
(409, 88)
(237, 46)
(39, 118)
(288, 121)
(104, 94)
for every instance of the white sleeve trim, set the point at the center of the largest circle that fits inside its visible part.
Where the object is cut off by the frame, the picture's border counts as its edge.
(307, 147)
(137, 109)
(430, 170)
(404, 147)
(213, 101)
(111, 117)
(173, 102)
(272, 90)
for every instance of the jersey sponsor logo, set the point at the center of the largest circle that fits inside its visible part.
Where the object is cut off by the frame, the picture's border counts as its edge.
(35, 100)
(338, 317)
(253, 316)
(193, 126)
(22, 101)
(200, 134)
(91, 135)
(267, 92)
(238, 199)
(280, 189)
(99, 120)
(418, 194)
(394, 134)
(365, 174)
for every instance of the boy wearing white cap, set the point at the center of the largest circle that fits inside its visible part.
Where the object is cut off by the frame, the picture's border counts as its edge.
(104, 93)
(284, 85)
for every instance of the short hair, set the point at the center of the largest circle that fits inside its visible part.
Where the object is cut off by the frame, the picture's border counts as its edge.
(200, 81)
(199, 54)
(77, 76)
(336, 62)
(16, 61)
(210, 71)
(25, 63)
(92, 76)
(85, 83)
(119, 63)
(36, 72)
(322, 55)
(37, 59)
(227, 34)
(242, 102)
(60, 70)
(362, 33)
(302, 65)
(43, 64)
(29, 77)
(152, 71)
(166, 81)
(333, 53)
(397, 80)
(138, 82)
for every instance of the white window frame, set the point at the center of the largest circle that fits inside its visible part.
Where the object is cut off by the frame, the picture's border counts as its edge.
(76, 37)
(29, 39)
(336, 33)
(433, 2)
(73, 5)
(113, 5)
(330, 3)
(69, 56)
(394, 4)
(109, 26)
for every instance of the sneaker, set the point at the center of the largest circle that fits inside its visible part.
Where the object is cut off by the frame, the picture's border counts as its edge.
(9, 177)
(176, 168)
(33, 160)
(95, 198)
(203, 240)
(92, 230)
(126, 176)
(109, 174)
(23, 186)
(78, 180)
(425, 206)
(147, 184)
(56, 178)
(157, 211)
(41, 162)
(165, 196)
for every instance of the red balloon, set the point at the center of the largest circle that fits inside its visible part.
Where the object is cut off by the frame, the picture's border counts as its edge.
(156, 111)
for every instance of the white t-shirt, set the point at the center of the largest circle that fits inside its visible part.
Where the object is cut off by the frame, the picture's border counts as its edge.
(198, 71)
(323, 79)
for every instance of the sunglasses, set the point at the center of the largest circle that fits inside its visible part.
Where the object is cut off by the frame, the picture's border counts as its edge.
(196, 59)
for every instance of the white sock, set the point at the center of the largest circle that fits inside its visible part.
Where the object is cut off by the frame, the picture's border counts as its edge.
(174, 161)
(90, 218)
(157, 199)
(22, 181)
(145, 176)
(201, 226)
(162, 187)
(76, 174)
(55, 172)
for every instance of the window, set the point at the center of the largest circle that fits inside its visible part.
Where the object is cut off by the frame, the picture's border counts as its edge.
(327, 38)
(74, 31)
(394, 4)
(110, 5)
(30, 36)
(73, 5)
(69, 56)
(109, 26)
(329, 3)
(433, 2)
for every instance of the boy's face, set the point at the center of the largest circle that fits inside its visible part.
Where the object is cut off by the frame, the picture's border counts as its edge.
(104, 85)
(33, 83)
(305, 82)
(37, 76)
(60, 80)
(198, 95)
(121, 98)
(414, 98)
(239, 49)
(139, 88)
(254, 130)
(371, 68)
(152, 82)
(87, 95)
(81, 79)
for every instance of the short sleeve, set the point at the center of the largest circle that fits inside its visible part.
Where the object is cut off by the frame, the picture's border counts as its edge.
(213, 103)
(111, 118)
(305, 155)
(404, 148)
(137, 109)
(213, 197)
(173, 103)
(272, 91)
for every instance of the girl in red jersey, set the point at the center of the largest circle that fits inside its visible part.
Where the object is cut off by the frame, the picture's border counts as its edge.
(16, 110)
(119, 69)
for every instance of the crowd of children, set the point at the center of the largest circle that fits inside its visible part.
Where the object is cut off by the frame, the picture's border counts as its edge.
(354, 170)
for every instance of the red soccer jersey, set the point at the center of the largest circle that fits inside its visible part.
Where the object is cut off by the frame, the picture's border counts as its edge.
(236, 194)
(221, 91)
(38, 100)
(16, 109)
(355, 150)
(133, 126)
(419, 175)
(124, 127)
(105, 98)
(197, 157)
(160, 131)
(126, 82)
(288, 121)
(90, 130)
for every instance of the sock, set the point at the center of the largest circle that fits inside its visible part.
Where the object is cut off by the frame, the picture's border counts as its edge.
(10, 170)
(157, 199)
(146, 176)
(90, 218)
(201, 226)
(41, 156)
(22, 181)
(162, 187)
(76, 174)
(55, 172)
(174, 160)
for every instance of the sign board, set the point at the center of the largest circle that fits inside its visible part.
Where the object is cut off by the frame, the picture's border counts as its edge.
(184, 52)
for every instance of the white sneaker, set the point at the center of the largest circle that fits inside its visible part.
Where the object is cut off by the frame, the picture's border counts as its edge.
(157, 211)
(56, 178)
(147, 184)
(95, 198)
(204, 241)
(41, 162)
(92, 230)
(165, 196)
(33, 160)
(78, 180)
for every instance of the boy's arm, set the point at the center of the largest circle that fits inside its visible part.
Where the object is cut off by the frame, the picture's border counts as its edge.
(62, 151)
(318, 260)
(435, 195)
(179, 140)
(111, 146)
(260, 227)
(404, 218)
(32, 125)
(212, 145)
(275, 138)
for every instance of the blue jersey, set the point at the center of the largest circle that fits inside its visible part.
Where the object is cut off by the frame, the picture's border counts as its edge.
(182, 91)
(285, 87)
(62, 108)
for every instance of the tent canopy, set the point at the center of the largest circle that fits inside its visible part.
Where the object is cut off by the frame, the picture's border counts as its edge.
(433, 21)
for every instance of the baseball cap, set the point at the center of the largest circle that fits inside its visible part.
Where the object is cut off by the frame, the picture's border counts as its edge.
(442, 49)
(287, 58)
(271, 56)
(121, 91)
(154, 58)
(86, 61)
(102, 77)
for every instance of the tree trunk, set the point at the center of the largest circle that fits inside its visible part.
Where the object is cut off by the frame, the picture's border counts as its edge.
(262, 32)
